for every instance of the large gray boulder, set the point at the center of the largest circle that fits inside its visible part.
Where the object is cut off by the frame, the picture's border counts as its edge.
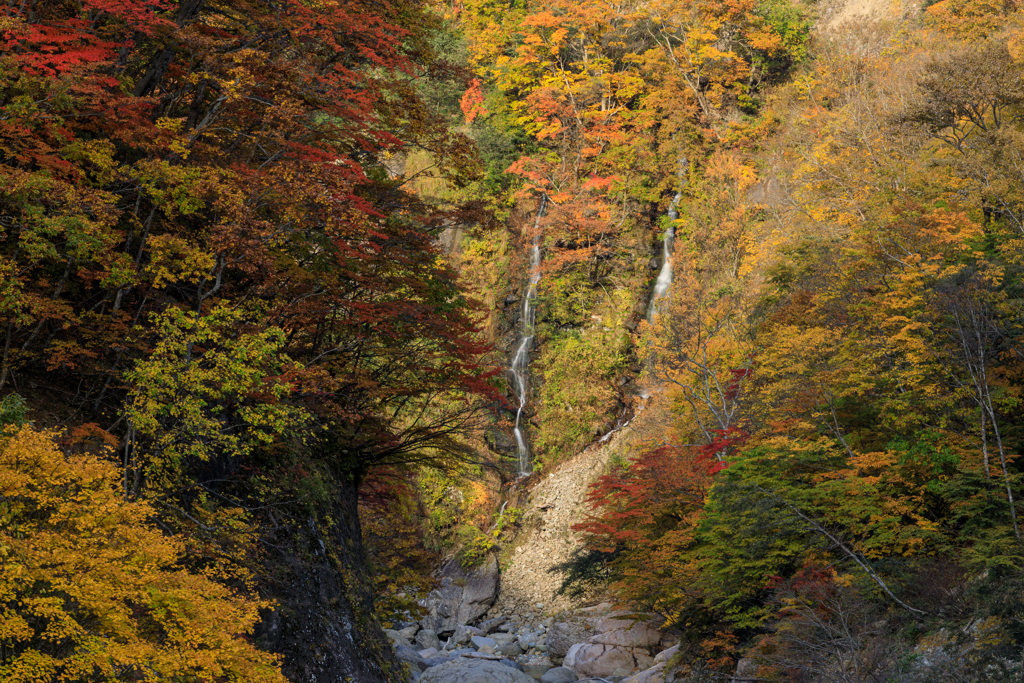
(442, 608)
(404, 653)
(559, 675)
(604, 661)
(480, 590)
(427, 639)
(563, 635)
(464, 596)
(474, 671)
(626, 632)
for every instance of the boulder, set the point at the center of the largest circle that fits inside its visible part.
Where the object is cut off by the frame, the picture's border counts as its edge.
(665, 655)
(626, 633)
(443, 607)
(463, 633)
(746, 669)
(464, 595)
(490, 625)
(404, 653)
(604, 661)
(559, 675)
(426, 638)
(409, 632)
(656, 674)
(480, 590)
(428, 653)
(463, 670)
(395, 637)
(482, 641)
(563, 635)
(530, 639)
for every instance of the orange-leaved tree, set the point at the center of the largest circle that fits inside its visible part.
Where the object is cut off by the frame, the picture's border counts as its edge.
(92, 590)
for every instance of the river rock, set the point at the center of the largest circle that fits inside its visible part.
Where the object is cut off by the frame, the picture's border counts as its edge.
(490, 625)
(395, 637)
(463, 670)
(482, 641)
(563, 635)
(463, 633)
(559, 675)
(426, 638)
(604, 661)
(625, 633)
(464, 595)
(404, 653)
(480, 590)
(656, 674)
(409, 632)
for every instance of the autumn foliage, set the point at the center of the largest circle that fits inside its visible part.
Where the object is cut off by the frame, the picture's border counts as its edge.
(91, 589)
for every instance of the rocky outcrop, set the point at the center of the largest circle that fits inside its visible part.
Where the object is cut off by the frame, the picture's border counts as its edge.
(465, 670)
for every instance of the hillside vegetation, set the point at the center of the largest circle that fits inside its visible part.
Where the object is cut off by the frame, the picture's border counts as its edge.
(261, 267)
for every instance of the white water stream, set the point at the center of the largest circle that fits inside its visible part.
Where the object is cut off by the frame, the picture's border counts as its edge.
(520, 366)
(664, 280)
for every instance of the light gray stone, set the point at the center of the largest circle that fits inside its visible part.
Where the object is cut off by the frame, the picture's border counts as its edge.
(604, 661)
(409, 632)
(480, 590)
(559, 675)
(465, 670)
(404, 653)
(563, 635)
(463, 633)
(502, 638)
(626, 633)
(428, 653)
(656, 674)
(482, 641)
(395, 637)
(426, 638)
(665, 655)
(509, 649)
(490, 625)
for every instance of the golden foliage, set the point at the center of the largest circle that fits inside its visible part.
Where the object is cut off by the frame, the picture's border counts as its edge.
(91, 590)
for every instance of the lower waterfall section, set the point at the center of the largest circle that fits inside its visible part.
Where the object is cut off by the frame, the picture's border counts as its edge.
(664, 280)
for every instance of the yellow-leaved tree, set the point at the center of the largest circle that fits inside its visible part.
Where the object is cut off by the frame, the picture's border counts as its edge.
(91, 590)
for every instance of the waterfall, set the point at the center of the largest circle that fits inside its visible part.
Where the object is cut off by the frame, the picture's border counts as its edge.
(520, 367)
(665, 275)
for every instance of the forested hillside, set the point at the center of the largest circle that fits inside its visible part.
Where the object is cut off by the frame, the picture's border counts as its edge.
(264, 267)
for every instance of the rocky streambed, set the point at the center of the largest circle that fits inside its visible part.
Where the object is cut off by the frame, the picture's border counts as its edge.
(592, 643)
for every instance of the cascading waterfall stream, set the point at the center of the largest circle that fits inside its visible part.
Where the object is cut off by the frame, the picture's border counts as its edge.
(664, 280)
(520, 366)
